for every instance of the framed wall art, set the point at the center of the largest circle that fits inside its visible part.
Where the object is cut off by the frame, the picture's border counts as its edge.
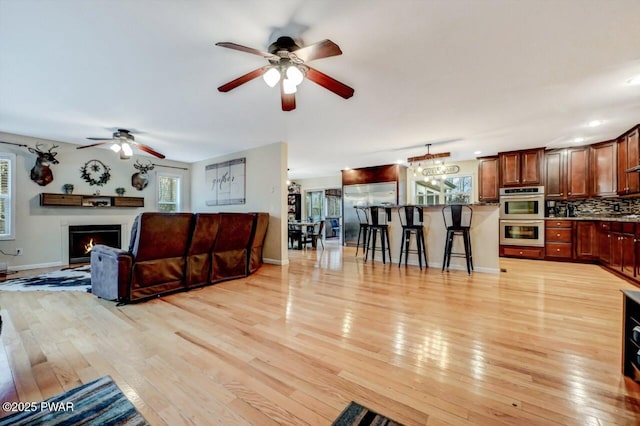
(226, 182)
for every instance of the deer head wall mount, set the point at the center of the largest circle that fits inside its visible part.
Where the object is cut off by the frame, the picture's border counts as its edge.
(41, 172)
(140, 180)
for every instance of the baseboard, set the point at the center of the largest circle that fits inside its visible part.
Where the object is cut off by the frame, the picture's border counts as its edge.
(35, 266)
(276, 262)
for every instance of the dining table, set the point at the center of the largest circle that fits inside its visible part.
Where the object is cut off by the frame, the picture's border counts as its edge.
(304, 228)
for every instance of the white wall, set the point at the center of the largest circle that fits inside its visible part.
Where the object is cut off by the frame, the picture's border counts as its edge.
(266, 191)
(42, 231)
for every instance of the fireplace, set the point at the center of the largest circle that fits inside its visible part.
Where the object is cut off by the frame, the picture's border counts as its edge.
(83, 238)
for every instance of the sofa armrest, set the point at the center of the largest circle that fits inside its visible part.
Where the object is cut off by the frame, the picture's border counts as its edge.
(110, 272)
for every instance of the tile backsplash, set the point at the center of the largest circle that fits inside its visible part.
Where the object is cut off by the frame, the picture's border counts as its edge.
(598, 206)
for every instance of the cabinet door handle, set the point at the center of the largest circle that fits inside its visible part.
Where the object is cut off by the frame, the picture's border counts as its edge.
(557, 235)
(557, 249)
(562, 193)
(520, 252)
(568, 193)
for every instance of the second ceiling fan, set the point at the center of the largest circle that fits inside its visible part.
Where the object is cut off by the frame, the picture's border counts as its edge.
(287, 66)
(123, 142)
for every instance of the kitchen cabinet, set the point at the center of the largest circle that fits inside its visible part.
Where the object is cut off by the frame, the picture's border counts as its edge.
(521, 168)
(555, 182)
(604, 169)
(586, 240)
(578, 172)
(604, 243)
(628, 156)
(566, 173)
(488, 179)
(558, 236)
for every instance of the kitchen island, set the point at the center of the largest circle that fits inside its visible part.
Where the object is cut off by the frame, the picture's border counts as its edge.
(484, 238)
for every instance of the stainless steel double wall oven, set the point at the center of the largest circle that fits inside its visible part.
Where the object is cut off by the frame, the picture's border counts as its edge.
(522, 216)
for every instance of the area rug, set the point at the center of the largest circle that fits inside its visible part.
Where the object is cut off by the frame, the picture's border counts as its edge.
(100, 402)
(76, 279)
(357, 415)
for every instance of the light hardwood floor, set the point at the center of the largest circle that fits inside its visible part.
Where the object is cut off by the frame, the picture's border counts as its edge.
(537, 344)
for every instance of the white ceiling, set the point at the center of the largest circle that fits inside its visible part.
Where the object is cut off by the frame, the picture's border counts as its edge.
(493, 74)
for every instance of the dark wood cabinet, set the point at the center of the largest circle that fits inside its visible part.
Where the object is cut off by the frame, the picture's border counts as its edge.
(603, 169)
(558, 236)
(586, 240)
(578, 172)
(521, 168)
(488, 179)
(73, 200)
(555, 181)
(628, 156)
(604, 243)
(566, 173)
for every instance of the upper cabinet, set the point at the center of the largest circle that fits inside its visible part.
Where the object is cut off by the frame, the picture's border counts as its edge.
(488, 179)
(555, 170)
(578, 172)
(603, 169)
(566, 173)
(628, 156)
(521, 168)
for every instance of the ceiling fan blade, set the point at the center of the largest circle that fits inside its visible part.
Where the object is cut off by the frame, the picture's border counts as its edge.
(322, 49)
(242, 79)
(148, 149)
(100, 139)
(329, 83)
(246, 49)
(95, 144)
(288, 100)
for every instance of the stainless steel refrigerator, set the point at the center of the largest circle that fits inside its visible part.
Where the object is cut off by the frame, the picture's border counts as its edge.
(363, 195)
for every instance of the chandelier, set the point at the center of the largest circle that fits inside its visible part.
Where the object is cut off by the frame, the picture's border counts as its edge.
(435, 173)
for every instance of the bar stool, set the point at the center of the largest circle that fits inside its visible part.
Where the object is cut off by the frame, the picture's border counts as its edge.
(378, 224)
(363, 218)
(457, 220)
(411, 219)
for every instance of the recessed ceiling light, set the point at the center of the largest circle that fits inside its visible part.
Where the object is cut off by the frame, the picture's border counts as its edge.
(347, 168)
(477, 152)
(398, 161)
(578, 140)
(595, 123)
(635, 81)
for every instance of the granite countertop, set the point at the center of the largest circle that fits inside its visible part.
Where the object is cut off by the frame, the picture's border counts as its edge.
(601, 217)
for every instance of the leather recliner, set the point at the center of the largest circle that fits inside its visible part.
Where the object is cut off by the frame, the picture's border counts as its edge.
(229, 258)
(260, 226)
(154, 264)
(205, 232)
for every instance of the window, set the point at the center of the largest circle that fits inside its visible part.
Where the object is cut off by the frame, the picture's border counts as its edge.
(7, 190)
(168, 193)
(314, 200)
(458, 190)
(453, 190)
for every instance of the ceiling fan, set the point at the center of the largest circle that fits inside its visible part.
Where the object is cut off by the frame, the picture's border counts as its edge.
(287, 65)
(123, 141)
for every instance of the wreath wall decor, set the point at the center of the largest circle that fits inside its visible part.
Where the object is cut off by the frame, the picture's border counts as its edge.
(95, 172)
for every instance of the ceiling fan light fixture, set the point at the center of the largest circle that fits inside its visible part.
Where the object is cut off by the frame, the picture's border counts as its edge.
(126, 149)
(271, 77)
(289, 87)
(115, 147)
(294, 75)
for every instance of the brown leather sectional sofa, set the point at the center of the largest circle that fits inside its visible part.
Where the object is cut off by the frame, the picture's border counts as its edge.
(171, 252)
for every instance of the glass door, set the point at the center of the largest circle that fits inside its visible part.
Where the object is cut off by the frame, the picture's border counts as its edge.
(314, 205)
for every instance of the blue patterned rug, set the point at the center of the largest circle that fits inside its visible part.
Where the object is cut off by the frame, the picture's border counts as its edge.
(77, 279)
(100, 402)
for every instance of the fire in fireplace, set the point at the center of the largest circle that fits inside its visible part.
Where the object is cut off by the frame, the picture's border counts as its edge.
(83, 238)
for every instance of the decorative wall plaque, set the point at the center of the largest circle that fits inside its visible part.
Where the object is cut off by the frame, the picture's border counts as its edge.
(226, 181)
